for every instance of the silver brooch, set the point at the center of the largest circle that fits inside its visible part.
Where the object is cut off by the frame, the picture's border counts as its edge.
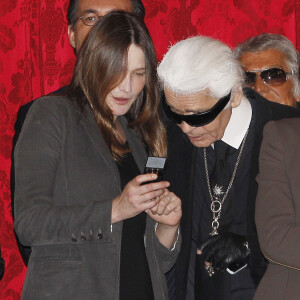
(218, 190)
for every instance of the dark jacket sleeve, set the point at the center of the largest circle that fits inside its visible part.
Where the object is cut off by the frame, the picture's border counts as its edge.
(278, 196)
(21, 116)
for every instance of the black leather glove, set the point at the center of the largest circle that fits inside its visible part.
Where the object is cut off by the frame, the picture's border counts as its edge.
(225, 250)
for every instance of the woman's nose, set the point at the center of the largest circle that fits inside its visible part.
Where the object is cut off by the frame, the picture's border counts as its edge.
(125, 85)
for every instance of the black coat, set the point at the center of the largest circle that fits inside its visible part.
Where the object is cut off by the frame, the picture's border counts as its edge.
(180, 172)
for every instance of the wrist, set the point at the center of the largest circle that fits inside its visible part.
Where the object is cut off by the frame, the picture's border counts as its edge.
(167, 234)
(115, 211)
(166, 228)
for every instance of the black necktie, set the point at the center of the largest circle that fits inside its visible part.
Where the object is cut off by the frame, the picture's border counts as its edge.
(221, 172)
(170, 277)
(221, 176)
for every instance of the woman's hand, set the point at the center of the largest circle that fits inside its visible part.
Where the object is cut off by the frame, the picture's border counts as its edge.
(136, 198)
(167, 212)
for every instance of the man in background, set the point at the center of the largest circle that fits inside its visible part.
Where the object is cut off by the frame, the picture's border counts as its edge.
(81, 15)
(271, 65)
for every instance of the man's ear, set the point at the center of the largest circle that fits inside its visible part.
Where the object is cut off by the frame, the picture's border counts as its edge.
(298, 97)
(71, 35)
(237, 94)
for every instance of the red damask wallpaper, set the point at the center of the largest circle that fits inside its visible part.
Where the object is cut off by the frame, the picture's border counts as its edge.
(35, 59)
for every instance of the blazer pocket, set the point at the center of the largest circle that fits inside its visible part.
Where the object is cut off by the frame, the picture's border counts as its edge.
(53, 278)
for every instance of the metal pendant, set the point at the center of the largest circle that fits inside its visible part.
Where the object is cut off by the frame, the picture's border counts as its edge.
(214, 232)
(216, 206)
(210, 270)
(218, 190)
(215, 225)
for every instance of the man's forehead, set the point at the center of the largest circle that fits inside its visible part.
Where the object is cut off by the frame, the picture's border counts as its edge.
(199, 97)
(267, 58)
(104, 6)
(190, 103)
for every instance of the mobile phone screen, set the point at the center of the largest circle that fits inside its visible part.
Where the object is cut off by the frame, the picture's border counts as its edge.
(155, 165)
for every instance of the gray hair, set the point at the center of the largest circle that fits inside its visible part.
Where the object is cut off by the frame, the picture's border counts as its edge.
(200, 63)
(278, 42)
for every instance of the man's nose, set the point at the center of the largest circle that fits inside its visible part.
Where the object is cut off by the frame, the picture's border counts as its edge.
(260, 86)
(185, 127)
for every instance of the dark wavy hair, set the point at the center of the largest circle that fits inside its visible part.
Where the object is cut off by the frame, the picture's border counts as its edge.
(102, 65)
(137, 8)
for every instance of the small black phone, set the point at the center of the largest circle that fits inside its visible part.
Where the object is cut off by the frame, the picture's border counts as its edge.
(155, 165)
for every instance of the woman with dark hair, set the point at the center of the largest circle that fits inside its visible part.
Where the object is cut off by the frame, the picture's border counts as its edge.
(98, 229)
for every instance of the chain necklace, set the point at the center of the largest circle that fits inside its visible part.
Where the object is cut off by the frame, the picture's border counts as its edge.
(216, 201)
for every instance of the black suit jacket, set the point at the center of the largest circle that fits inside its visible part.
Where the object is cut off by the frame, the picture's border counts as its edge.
(180, 173)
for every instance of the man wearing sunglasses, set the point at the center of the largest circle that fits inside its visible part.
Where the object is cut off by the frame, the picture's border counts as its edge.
(271, 65)
(214, 131)
(81, 16)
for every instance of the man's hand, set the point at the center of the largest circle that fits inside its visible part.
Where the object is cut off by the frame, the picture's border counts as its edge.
(167, 213)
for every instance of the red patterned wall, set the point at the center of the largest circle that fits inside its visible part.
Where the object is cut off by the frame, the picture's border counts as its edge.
(35, 58)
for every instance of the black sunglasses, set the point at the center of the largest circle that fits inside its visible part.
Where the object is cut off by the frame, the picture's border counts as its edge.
(198, 119)
(272, 76)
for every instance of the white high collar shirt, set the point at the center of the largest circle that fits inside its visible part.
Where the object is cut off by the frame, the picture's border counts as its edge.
(238, 124)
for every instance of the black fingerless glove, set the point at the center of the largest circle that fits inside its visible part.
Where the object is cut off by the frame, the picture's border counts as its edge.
(225, 250)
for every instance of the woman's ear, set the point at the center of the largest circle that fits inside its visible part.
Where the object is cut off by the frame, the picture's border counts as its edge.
(237, 94)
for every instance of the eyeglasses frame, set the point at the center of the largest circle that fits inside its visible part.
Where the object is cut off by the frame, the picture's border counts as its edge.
(268, 69)
(81, 18)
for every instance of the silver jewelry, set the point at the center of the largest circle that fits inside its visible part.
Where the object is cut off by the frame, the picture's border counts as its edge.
(210, 270)
(215, 197)
(246, 244)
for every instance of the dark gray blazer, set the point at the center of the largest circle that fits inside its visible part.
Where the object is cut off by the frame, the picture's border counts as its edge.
(64, 185)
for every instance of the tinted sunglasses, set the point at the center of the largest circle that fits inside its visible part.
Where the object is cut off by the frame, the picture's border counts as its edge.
(198, 119)
(272, 76)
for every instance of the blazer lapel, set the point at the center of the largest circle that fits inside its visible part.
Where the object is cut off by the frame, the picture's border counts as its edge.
(90, 126)
(138, 151)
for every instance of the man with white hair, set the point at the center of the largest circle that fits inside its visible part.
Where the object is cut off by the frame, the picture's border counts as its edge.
(271, 65)
(212, 165)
